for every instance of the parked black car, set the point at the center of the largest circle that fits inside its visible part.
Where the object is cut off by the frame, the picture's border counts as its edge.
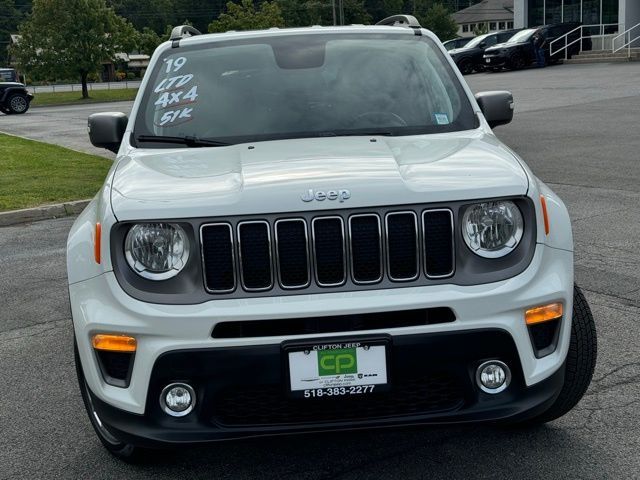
(518, 51)
(470, 57)
(457, 43)
(14, 98)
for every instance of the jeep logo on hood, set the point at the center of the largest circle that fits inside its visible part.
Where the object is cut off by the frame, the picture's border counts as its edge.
(319, 195)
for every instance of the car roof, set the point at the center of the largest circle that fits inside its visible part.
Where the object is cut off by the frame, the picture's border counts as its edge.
(313, 30)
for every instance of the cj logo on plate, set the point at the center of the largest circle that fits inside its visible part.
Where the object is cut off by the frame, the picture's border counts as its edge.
(337, 362)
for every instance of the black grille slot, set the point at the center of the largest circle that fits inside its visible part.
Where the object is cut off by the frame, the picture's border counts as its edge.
(333, 324)
(438, 242)
(293, 256)
(366, 251)
(402, 245)
(255, 255)
(268, 405)
(328, 242)
(217, 251)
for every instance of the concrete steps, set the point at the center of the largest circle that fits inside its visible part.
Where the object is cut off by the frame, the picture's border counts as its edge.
(605, 56)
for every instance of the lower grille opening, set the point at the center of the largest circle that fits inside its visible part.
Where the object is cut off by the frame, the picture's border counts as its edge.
(334, 324)
(544, 337)
(116, 367)
(269, 405)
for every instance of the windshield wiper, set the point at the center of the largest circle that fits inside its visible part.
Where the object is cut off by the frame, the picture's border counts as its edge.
(188, 140)
(356, 133)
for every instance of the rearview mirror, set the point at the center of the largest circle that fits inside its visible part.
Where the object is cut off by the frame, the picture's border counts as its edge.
(497, 107)
(106, 130)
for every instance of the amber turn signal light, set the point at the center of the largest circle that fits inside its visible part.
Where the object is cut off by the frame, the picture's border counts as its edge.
(542, 314)
(545, 214)
(114, 343)
(97, 240)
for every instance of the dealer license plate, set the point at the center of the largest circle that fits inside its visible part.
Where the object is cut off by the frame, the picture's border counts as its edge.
(336, 369)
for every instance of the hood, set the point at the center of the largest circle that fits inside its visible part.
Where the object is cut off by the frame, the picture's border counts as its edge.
(458, 51)
(500, 46)
(269, 177)
(11, 84)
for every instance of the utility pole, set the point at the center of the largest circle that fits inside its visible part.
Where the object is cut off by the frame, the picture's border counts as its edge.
(333, 6)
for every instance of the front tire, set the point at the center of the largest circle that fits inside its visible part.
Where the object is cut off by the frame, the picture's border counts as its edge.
(465, 66)
(18, 103)
(122, 450)
(580, 362)
(516, 62)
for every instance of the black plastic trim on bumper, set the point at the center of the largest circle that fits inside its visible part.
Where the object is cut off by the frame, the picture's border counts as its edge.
(209, 371)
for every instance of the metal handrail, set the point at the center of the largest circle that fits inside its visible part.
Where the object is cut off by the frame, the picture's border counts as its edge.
(627, 44)
(582, 36)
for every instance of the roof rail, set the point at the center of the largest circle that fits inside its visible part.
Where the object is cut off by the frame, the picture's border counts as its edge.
(401, 21)
(182, 31)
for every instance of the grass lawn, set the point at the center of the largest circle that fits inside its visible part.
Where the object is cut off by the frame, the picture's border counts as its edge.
(67, 98)
(35, 173)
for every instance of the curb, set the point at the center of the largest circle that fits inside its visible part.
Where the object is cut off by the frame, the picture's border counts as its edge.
(77, 104)
(45, 212)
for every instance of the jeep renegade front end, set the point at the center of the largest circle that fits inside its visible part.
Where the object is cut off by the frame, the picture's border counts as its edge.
(316, 229)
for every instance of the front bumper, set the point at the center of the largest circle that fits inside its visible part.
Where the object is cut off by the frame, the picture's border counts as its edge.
(100, 306)
(496, 60)
(241, 392)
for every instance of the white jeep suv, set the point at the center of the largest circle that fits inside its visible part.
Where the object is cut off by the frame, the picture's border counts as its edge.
(316, 229)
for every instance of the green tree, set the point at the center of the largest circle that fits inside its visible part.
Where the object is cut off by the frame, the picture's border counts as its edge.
(303, 13)
(10, 16)
(154, 14)
(245, 16)
(148, 40)
(438, 19)
(66, 38)
(481, 29)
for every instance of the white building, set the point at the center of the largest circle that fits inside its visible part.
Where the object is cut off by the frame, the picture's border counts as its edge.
(489, 15)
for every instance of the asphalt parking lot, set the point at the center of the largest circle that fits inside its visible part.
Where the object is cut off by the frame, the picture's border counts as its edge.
(576, 126)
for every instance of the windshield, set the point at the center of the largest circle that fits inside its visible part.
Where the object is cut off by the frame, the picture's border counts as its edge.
(476, 41)
(295, 86)
(522, 36)
(8, 75)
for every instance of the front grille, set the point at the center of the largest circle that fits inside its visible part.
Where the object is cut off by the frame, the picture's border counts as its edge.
(328, 251)
(269, 404)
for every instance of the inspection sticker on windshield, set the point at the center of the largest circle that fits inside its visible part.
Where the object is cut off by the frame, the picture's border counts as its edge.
(337, 369)
(441, 118)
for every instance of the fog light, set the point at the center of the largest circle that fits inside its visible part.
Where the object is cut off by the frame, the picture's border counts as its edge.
(177, 399)
(493, 376)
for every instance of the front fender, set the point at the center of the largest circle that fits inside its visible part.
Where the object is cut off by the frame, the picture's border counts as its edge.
(10, 90)
(81, 261)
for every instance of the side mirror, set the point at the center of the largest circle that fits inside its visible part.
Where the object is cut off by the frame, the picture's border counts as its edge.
(497, 107)
(106, 130)
(483, 45)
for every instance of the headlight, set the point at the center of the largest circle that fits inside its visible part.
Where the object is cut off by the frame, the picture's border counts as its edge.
(492, 229)
(156, 251)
